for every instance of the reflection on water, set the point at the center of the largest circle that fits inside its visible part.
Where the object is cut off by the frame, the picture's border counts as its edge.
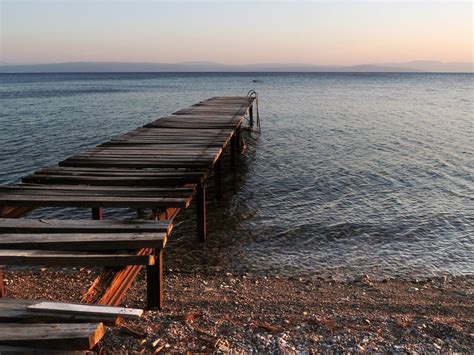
(353, 173)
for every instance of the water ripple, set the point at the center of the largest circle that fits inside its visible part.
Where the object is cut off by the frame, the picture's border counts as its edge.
(366, 173)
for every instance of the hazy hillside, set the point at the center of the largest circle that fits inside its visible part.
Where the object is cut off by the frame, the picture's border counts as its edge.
(415, 66)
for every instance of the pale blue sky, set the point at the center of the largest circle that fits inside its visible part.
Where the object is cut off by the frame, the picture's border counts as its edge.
(237, 32)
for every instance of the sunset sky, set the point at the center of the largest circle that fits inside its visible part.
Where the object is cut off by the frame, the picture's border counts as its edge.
(235, 32)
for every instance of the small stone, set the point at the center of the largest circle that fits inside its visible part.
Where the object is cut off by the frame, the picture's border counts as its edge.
(362, 278)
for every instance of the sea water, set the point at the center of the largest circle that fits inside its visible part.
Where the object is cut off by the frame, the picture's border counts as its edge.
(351, 174)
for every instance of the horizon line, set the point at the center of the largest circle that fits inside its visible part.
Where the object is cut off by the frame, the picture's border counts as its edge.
(196, 62)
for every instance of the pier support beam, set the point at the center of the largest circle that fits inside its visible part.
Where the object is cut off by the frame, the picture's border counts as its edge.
(97, 213)
(233, 150)
(201, 212)
(251, 116)
(218, 178)
(238, 140)
(154, 282)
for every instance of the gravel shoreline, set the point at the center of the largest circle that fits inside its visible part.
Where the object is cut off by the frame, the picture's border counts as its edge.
(249, 313)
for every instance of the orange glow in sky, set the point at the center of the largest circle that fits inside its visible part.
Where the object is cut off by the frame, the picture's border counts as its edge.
(342, 33)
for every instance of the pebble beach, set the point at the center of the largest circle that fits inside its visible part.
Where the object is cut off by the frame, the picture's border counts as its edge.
(220, 313)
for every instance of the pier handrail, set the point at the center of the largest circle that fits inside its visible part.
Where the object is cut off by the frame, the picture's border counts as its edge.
(253, 95)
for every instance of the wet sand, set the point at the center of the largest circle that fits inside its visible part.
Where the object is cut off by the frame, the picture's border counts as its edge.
(208, 312)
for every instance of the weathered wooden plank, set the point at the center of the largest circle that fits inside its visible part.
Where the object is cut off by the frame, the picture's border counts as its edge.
(157, 132)
(194, 118)
(177, 138)
(136, 164)
(63, 190)
(14, 350)
(162, 132)
(123, 172)
(141, 158)
(15, 311)
(146, 150)
(93, 201)
(82, 309)
(211, 110)
(159, 146)
(155, 151)
(112, 181)
(58, 336)
(145, 156)
(24, 225)
(173, 132)
(163, 141)
(226, 122)
(59, 258)
(103, 189)
(82, 241)
(193, 125)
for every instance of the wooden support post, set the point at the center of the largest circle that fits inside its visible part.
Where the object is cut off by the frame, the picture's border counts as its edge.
(238, 140)
(154, 282)
(201, 211)
(97, 213)
(233, 149)
(251, 116)
(218, 178)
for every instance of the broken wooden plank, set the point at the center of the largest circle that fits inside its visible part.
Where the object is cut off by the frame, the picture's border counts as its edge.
(83, 309)
(66, 336)
(15, 311)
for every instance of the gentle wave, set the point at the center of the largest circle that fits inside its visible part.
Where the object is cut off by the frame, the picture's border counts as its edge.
(352, 174)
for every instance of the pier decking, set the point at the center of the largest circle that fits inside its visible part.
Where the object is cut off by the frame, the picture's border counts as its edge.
(162, 165)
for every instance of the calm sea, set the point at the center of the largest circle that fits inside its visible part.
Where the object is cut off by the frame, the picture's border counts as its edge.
(352, 174)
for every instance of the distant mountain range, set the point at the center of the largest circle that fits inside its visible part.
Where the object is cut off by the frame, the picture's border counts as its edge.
(94, 67)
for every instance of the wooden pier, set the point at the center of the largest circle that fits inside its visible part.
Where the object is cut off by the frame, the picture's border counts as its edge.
(163, 166)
